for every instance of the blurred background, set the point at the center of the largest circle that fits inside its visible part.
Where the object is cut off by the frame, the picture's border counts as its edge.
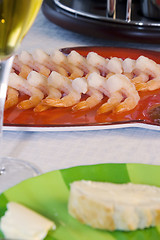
(125, 20)
(69, 23)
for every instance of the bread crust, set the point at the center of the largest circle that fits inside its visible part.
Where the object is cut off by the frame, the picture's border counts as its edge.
(102, 213)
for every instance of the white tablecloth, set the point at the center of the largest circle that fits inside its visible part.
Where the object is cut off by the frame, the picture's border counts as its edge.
(54, 150)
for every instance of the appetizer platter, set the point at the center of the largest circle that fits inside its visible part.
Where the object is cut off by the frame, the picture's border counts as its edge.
(84, 88)
(49, 196)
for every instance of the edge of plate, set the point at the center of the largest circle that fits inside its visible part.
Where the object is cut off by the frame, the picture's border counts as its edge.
(82, 128)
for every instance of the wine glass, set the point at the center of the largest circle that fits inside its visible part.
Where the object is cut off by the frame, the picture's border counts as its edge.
(16, 18)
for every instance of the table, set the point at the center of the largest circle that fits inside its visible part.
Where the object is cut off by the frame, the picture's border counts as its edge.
(54, 150)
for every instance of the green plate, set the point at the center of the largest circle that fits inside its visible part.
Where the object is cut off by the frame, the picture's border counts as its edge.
(48, 194)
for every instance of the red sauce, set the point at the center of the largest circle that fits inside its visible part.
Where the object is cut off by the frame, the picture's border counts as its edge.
(65, 116)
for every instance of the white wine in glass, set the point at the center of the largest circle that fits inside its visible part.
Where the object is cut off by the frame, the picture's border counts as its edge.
(16, 18)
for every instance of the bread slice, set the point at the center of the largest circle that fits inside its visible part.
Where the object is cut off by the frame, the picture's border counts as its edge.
(115, 206)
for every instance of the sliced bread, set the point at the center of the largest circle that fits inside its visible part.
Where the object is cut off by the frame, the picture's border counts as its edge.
(115, 206)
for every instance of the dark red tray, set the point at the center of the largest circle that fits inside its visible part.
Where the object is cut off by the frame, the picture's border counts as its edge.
(65, 117)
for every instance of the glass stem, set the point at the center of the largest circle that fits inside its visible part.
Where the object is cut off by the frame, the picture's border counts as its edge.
(5, 68)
